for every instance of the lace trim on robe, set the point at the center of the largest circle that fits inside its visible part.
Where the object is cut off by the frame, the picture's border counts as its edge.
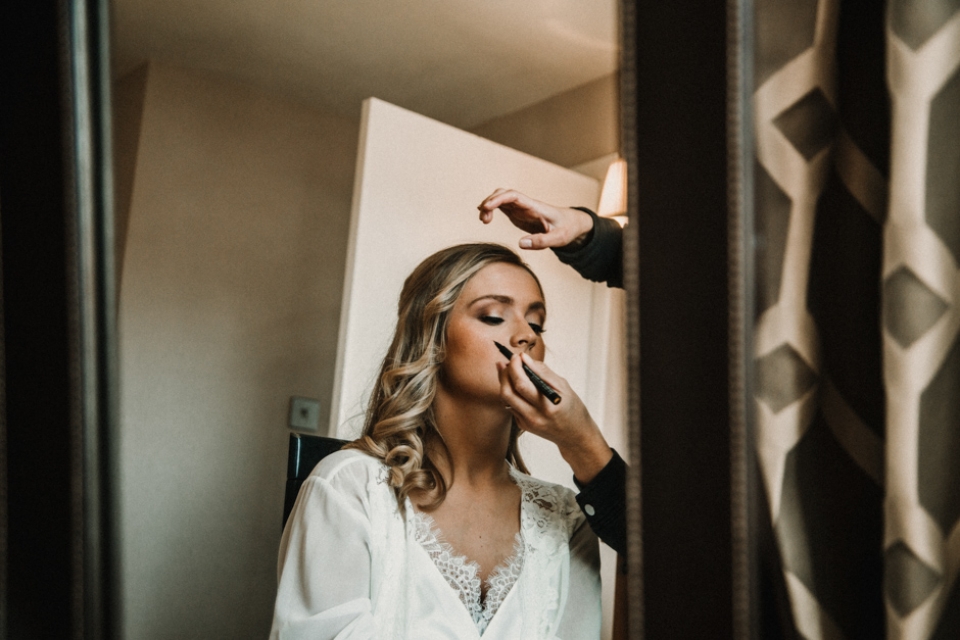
(463, 575)
(546, 522)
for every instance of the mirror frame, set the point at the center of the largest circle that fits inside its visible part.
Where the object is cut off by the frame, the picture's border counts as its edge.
(58, 574)
(686, 73)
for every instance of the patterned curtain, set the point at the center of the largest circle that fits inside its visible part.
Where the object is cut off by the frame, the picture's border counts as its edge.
(857, 209)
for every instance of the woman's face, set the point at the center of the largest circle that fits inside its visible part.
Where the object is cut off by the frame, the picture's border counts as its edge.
(501, 303)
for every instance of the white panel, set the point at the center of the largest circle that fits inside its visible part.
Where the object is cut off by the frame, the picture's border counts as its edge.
(418, 184)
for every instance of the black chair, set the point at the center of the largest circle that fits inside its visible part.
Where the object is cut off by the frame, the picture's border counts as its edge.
(304, 454)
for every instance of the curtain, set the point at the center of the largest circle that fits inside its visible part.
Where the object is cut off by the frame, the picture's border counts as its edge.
(856, 107)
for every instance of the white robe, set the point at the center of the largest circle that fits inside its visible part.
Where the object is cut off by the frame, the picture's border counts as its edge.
(351, 568)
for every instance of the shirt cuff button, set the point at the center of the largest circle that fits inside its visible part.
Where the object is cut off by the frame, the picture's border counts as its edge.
(589, 510)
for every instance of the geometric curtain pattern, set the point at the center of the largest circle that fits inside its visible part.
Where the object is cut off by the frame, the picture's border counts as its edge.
(921, 321)
(857, 209)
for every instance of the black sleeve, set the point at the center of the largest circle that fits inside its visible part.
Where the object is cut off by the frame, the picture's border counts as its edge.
(600, 258)
(604, 501)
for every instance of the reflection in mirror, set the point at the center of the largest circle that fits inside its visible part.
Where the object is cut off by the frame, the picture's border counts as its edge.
(236, 133)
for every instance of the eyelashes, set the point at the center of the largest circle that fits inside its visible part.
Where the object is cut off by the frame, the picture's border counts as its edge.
(494, 321)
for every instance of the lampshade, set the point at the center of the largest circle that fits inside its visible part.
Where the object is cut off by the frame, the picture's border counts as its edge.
(613, 197)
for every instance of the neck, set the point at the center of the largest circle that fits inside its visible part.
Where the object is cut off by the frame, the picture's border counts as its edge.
(477, 437)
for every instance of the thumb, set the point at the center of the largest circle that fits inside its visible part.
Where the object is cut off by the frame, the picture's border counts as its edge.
(538, 241)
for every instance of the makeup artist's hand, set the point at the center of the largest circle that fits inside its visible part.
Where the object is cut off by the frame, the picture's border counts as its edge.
(548, 225)
(568, 424)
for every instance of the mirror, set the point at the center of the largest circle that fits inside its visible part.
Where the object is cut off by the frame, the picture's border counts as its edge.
(236, 133)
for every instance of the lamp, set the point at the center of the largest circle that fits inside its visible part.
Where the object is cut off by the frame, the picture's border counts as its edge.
(613, 197)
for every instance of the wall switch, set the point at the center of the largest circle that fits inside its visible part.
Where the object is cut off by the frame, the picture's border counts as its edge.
(304, 413)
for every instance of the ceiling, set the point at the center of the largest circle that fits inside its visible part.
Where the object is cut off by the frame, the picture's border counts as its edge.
(462, 62)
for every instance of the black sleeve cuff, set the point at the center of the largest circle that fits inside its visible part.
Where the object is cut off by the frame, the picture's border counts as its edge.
(603, 501)
(600, 258)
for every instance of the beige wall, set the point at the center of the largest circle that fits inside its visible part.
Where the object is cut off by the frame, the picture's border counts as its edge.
(569, 129)
(229, 303)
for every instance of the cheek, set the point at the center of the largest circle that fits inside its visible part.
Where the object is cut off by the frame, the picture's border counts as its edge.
(467, 336)
(539, 349)
(470, 354)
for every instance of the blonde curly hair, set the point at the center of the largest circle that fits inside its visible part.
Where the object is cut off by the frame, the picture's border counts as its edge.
(400, 427)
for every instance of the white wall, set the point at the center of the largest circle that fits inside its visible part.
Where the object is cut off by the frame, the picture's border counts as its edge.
(229, 303)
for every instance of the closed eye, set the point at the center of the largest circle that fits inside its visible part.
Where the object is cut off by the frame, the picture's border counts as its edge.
(537, 328)
(493, 320)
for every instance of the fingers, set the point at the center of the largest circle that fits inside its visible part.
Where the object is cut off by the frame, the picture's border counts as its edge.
(533, 412)
(502, 197)
(541, 369)
(516, 387)
(490, 204)
(486, 201)
(568, 425)
(513, 203)
(513, 375)
(485, 208)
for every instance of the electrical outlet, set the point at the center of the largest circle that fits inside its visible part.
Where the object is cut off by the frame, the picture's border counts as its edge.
(304, 413)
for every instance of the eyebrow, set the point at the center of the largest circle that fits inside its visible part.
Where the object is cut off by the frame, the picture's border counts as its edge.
(534, 306)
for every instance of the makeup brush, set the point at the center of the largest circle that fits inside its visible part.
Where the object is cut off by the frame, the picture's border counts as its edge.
(548, 391)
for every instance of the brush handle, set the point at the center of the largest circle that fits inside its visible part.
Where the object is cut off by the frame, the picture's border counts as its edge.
(549, 392)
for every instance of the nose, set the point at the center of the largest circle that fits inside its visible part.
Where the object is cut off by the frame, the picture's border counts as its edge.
(523, 337)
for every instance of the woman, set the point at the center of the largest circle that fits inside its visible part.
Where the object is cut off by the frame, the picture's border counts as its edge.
(428, 526)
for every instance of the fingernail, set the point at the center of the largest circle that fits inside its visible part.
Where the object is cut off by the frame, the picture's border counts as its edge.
(526, 243)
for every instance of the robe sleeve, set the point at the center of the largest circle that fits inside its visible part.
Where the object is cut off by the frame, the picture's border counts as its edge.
(582, 613)
(324, 571)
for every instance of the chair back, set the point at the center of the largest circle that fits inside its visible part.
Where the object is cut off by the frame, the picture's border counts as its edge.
(304, 453)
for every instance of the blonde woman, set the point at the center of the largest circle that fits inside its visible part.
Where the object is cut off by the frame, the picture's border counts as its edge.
(428, 526)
